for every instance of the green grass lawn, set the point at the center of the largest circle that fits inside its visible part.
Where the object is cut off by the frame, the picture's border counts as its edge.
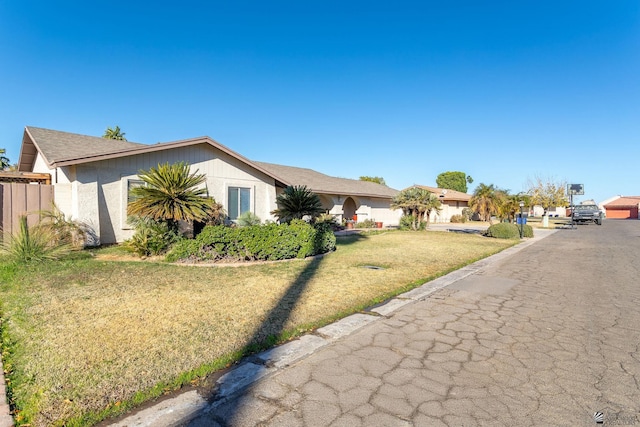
(90, 337)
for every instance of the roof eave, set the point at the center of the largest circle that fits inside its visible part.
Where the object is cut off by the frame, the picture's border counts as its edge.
(27, 159)
(167, 146)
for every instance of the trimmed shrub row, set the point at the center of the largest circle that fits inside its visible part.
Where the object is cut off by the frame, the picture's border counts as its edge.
(268, 242)
(506, 230)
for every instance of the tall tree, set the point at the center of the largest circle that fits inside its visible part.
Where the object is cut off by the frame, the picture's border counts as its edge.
(114, 133)
(453, 181)
(296, 202)
(485, 201)
(171, 193)
(509, 204)
(5, 163)
(417, 203)
(548, 193)
(376, 179)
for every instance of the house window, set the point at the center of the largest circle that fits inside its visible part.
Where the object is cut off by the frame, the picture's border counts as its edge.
(239, 201)
(127, 186)
(131, 184)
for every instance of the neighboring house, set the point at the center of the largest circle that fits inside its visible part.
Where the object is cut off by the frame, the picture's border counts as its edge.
(453, 203)
(553, 211)
(92, 177)
(622, 207)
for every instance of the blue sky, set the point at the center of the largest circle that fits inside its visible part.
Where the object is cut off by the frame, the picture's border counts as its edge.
(505, 91)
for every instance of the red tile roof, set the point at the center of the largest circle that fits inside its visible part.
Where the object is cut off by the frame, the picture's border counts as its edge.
(624, 202)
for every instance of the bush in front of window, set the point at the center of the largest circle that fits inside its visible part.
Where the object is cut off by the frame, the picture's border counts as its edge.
(267, 242)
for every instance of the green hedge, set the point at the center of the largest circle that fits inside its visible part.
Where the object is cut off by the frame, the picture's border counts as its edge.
(505, 230)
(256, 243)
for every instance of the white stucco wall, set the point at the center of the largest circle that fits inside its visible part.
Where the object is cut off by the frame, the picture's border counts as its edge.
(377, 210)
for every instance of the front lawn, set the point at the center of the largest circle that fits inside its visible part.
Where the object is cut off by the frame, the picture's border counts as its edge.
(87, 338)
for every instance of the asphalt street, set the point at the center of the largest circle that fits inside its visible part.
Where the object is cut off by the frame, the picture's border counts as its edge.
(547, 335)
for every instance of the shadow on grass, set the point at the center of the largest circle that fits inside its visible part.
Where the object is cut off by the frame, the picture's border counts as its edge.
(270, 332)
(350, 239)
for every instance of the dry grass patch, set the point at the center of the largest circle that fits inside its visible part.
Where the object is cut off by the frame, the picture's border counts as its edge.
(86, 335)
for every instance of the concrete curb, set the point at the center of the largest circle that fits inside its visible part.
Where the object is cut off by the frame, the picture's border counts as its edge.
(6, 420)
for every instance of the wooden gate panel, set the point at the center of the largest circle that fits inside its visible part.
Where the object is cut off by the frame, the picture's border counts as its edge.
(23, 199)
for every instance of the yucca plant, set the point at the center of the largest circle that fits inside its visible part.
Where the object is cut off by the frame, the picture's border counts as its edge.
(33, 244)
(171, 194)
(63, 229)
(296, 202)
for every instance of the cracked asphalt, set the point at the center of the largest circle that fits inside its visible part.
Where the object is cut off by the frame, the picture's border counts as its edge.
(547, 336)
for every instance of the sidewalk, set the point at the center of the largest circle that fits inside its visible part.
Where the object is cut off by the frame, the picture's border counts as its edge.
(193, 406)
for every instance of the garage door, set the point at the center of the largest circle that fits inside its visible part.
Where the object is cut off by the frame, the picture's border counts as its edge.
(631, 213)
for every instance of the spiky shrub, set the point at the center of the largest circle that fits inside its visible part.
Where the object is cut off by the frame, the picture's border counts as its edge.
(248, 219)
(297, 202)
(151, 237)
(407, 222)
(328, 220)
(216, 214)
(33, 244)
(171, 193)
(64, 229)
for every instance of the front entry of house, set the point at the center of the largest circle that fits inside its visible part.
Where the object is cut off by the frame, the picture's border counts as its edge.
(348, 208)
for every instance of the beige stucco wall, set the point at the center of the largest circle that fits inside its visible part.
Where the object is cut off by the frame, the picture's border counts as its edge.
(98, 192)
(448, 209)
(366, 208)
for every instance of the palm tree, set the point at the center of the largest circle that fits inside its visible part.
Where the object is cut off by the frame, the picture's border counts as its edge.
(417, 203)
(485, 201)
(296, 202)
(170, 194)
(5, 163)
(115, 133)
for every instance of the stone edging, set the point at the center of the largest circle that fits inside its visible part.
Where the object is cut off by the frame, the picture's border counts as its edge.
(6, 420)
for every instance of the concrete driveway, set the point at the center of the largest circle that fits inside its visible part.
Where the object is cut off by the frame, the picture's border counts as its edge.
(546, 335)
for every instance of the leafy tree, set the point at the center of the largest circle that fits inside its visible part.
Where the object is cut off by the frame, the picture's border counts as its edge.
(417, 203)
(296, 202)
(4, 161)
(454, 181)
(485, 201)
(376, 179)
(114, 133)
(547, 193)
(508, 205)
(171, 194)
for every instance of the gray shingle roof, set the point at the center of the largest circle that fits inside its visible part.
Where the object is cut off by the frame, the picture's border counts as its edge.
(57, 146)
(64, 148)
(321, 183)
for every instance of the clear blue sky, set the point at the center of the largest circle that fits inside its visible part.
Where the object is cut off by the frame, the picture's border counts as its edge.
(504, 91)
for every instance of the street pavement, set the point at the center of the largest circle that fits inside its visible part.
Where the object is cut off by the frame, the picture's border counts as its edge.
(546, 334)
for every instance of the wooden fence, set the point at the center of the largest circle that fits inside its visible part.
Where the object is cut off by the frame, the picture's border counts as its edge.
(18, 199)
